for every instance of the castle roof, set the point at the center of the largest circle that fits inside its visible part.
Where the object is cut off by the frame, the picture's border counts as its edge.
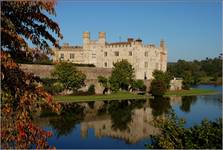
(119, 43)
(130, 40)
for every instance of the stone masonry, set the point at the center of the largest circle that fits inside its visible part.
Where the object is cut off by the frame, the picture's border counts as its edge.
(145, 58)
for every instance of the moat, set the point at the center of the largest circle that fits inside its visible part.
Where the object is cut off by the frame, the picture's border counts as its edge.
(125, 124)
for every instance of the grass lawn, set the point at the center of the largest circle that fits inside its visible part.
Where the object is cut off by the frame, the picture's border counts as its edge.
(191, 92)
(127, 95)
(113, 96)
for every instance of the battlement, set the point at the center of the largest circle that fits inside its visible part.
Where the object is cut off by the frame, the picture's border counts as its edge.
(144, 57)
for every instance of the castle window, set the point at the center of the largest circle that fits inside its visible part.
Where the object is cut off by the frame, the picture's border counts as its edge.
(116, 53)
(130, 53)
(106, 64)
(62, 56)
(71, 55)
(145, 77)
(146, 64)
(146, 54)
(105, 54)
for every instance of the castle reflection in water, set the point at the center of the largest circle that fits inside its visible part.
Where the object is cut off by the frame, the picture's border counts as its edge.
(139, 127)
(129, 120)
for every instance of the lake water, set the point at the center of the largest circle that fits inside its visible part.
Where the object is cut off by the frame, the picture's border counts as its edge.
(125, 124)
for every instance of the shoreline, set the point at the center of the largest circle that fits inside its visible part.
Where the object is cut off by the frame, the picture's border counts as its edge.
(131, 96)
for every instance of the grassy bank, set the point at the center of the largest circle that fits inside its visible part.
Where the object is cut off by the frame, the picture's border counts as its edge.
(127, 95)
(191, 92)
(113, 96)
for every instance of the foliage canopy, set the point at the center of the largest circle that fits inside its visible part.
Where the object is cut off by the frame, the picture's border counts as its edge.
(22, 21)
(69, 76)
(122, 75)
(207, 135)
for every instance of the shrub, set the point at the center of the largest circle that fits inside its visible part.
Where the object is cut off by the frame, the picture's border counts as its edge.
(138, 85)
(173, 135)
(91, 89)
(158, 88)
(52, 86)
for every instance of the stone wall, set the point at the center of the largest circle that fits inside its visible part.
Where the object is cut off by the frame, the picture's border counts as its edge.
(176, 84)
(44, 71)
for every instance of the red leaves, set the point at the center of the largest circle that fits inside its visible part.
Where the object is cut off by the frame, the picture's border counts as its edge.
(20, 95)
(49, 134)
(22, 134)
(49, 98)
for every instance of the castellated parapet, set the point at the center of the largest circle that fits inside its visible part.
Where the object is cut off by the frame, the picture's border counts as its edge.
(145, 58)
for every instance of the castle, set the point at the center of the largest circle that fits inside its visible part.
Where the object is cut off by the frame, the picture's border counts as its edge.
(144, 58)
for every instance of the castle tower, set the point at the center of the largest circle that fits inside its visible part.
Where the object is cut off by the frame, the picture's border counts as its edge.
(101, 38)
(163, 56)
(86, 38)
(162, 44)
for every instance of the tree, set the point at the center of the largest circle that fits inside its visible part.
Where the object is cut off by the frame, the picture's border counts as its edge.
(193, 72)
(164, 76)
(69, 76)
(105, 83)
(138, 85)
(173, 135)
(21, 20)
(160, 83)
(20, 92)
(122, 75)
(91, 89)
(157, 88)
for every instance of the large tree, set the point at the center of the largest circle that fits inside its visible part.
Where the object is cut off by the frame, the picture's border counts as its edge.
(160, 83)
(122, 75)
(69, 76)
(23, 21)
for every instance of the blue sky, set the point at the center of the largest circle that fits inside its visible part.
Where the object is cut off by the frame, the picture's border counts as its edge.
(191, 29)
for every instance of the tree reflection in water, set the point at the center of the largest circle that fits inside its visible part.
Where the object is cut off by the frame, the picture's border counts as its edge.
(121, 112)
(71, 115)
(186, 103)
(160, 105)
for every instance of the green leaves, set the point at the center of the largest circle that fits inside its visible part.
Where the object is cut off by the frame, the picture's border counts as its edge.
(207, 135)
(67, 74)
(122, 75)
(160, 83)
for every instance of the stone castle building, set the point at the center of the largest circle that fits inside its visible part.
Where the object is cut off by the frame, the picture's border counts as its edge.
(144, 58)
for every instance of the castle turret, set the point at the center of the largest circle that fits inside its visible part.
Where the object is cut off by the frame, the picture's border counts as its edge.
(86, 38)
(101, 38)
(163, 56)
(162, 45)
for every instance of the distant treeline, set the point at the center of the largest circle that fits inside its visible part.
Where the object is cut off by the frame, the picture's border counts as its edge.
(195, 72)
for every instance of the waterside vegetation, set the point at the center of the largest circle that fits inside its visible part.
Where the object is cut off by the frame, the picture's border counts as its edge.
(128, 95)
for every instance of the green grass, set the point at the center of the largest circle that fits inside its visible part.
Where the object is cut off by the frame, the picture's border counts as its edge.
(127, 95)
(191, 92)
(113, 96)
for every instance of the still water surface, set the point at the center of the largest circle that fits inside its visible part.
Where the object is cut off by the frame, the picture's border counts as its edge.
(125, 124)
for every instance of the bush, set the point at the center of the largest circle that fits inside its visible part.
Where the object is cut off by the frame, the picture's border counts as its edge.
(207, 135)
(158, 88)
(138, 85)
(52, 86)
(91, 89)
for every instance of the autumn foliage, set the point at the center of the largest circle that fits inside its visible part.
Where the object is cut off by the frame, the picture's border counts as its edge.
(21, 93)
